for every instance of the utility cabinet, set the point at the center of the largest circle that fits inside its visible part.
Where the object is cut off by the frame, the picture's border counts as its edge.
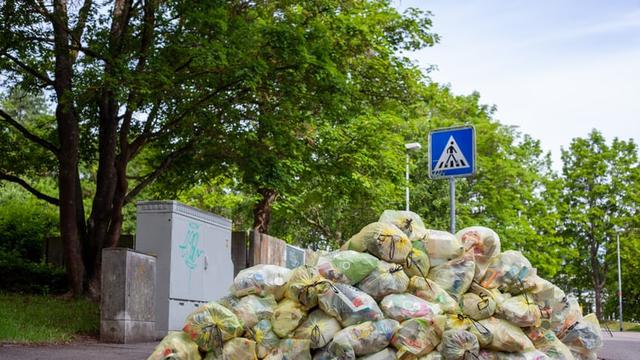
(193, 252)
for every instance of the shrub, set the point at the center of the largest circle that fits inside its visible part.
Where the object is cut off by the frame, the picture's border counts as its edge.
(19, 275)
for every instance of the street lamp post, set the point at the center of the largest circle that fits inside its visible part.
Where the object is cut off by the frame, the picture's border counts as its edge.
(409, 147)
(619, 280)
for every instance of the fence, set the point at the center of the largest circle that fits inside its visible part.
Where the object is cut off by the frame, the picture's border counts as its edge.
(54, 252)
(252, 248)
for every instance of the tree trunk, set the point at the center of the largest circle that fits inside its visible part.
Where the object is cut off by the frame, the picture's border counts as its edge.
(598, 301)
(68, 155)
(262, 210)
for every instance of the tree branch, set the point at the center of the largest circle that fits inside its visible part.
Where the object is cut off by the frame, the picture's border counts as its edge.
(155, 174)
(43, 77)
(27, 134)
(29, 188)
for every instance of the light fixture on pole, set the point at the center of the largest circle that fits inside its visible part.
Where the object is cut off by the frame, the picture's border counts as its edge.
(617, 230)
(409, 147)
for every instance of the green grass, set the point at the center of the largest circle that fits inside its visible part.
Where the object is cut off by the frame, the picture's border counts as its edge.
(46, 319)
(626, 325)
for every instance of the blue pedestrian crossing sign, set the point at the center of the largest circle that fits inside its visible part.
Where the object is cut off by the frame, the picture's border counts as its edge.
(452, 152)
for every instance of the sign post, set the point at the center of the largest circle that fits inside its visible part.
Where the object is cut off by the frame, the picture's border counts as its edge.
(452, 153)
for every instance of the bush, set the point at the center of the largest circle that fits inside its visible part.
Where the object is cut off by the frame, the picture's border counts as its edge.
(19, 275)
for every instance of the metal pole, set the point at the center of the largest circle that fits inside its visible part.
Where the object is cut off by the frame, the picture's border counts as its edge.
(452, 204)
(619, 282)
(407, 183)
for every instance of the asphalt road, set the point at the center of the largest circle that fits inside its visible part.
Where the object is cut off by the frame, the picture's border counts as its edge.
(622, 346)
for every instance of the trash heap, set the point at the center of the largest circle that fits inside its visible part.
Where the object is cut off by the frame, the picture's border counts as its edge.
(395, 290)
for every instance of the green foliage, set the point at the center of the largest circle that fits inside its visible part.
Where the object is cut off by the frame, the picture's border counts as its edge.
(19, 275)
(46, 319)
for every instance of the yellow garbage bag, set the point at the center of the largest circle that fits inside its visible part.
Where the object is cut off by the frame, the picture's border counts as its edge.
(348, 304)
(484, 243)
(373, 233)
(458, 345)
(289, 349)
(418, 336)
(506, 336)
(434, 355)
(509, 272)
(286, 317)
(235, 349)
(387, 242)
(442, 247)
(478, 307)
(384, 354)
(362, 339)
(176, 346)
(455, 276)
(212, 324)
(417, 262)
(403, 307)
(384, 280)
(519, 310)
(266, 340)
(547, 342)
(261, 280)
(584, 338)
(251, 308)
(303, 286)
(319, 327)
(429, 290)
(407, 221)
(347, 267)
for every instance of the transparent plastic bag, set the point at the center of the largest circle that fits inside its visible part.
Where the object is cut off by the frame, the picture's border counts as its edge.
(454, 276)
(212, 324)
(547, 296)
(251, 308)
(384, 240)
(564, 314)
(509, 272)
(319, 327)
(286, 317)
(434, 355)
(417, 263)
(266, 340)
(478, 307)
(547, 342)
(428, 290)
(176, 346)
(289, 349)
(261, 280)
(506, 336)
(458, 345)
(363, 339)
(520, 311)
(346, 267)
(403, 307)
(384, 354)
(407, 221)
(384, 280)
(584, 338)
(442, 246)
(237, 349)
(348, 304)
(303, 286)
(418, 336)
(485, 244)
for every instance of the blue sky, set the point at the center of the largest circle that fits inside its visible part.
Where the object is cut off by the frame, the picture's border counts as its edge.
(556, 69)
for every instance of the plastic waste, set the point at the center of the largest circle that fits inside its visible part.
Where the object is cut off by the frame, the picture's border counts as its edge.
(484, 243)
(564, 314)
(236, 349)
(346, 267)
(434, 355)
(384, 280)
(175, 346)
(363, 339)
(384, 354)
(407, 221)
(417, 262)
(286, 317)
(289, 349)
(506, 337)
(384, 240)
(454, 276)
(418, 336)
(303, 286)
(319, 328)
(584, 337)
(458, 345)
(266, 340)
(509, 272)
(547, 342)
(211, 325)
(442, 246)
(250, 309)
(348, 304)
(547, 296)
(403, 307)
(478, 307)
(429, 290)
(261, 280)
(519, 310)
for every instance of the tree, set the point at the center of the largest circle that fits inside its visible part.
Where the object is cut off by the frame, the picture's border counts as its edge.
(145, 90)
(600, 192)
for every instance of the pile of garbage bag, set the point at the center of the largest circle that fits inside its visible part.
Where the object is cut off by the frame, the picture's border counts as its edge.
(395, 290)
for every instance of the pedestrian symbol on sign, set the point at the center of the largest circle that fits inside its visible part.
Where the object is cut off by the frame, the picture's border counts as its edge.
(451, 157)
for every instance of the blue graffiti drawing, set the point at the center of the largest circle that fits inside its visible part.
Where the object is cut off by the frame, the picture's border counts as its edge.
(189, 248)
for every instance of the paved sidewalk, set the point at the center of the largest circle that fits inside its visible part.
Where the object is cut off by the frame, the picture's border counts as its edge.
(88, 350)
(622, 346)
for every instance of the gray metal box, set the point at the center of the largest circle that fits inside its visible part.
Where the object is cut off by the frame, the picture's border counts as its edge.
(193, 250)
(127, 311)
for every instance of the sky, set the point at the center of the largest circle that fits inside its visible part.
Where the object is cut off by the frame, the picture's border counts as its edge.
(556, 69)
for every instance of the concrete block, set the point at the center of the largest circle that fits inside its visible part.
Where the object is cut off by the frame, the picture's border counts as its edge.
(127, 312)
